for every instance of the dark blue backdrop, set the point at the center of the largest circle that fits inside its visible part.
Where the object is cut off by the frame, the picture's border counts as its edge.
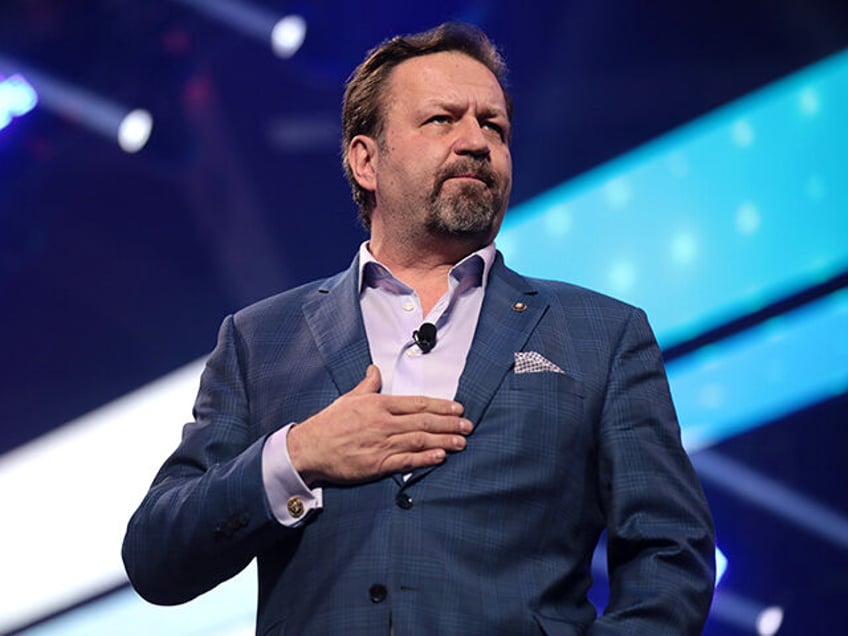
(117, 268)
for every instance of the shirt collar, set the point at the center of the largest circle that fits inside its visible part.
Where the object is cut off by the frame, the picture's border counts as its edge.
(471, 271)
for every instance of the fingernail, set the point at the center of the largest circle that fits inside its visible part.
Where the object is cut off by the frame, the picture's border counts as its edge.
(465, 426)
(458, 443)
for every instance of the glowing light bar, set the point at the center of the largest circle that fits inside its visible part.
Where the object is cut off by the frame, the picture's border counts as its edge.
(82, 482)
(694, 226)
(17, 98)
(96, 113)
(750, 379)
(286, 34)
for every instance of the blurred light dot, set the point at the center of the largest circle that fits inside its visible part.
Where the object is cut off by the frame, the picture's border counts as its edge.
(288, 35)
(678, 165)
(747, 218)
(618, 193)
(815, 187)
(622, 275)
(17, 96)
(684, 248)
(558, 220)
(769, 621)
(809, 102)
(742, 133)
(134, 130)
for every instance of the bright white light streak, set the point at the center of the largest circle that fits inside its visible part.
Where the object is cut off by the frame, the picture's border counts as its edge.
(72, 492)
(134, 130)
(96, 113)
(285, 34)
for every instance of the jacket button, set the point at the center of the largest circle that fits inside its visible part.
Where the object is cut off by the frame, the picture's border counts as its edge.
(378, 593)
(404, 501)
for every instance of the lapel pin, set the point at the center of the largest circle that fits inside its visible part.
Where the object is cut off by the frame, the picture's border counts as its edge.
(519, 306)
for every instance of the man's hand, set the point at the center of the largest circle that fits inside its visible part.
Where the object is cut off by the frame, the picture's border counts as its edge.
(364, 435)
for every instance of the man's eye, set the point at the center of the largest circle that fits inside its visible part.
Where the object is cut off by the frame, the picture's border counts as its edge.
(495, 127)
(439, 119)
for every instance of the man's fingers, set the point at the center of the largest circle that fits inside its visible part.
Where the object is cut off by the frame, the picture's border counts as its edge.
(429, 423)
(407, 404)
(371, 383)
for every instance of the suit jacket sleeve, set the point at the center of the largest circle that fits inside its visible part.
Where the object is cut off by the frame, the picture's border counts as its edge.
(660, 542)
(206, 515)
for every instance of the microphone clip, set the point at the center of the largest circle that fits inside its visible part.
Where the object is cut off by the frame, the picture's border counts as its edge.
(425, 337)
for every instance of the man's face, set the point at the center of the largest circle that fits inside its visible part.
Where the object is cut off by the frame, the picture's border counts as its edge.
(443, 164)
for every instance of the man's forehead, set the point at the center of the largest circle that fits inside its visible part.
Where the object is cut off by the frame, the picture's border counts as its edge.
(429, 74)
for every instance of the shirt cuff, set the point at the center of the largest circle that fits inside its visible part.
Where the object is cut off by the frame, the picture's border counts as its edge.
(291, 500)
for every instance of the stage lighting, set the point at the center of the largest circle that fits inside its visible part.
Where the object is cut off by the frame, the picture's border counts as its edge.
(721, 565)
(17, 98)
(769, 621)
(134, 130)
(286, 34)
(130, 127)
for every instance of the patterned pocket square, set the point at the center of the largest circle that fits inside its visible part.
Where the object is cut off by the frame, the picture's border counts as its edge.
(534, 362)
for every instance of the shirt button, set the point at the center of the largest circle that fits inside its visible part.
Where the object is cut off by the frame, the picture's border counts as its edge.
(403, 501)
(378, 593)
(408, 305)
(295, 507)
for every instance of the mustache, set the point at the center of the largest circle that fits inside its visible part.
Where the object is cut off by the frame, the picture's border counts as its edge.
(469, 167)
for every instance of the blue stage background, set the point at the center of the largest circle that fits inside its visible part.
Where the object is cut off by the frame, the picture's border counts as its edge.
(688, 158)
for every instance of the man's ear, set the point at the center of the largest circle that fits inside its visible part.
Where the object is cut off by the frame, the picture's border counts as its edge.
(362, 157)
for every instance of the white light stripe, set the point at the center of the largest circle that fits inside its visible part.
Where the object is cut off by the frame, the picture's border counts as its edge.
(771, 495)
(68, 495)
(228, 610)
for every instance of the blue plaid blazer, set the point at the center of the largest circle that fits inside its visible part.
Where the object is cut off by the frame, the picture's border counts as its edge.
(499, 538)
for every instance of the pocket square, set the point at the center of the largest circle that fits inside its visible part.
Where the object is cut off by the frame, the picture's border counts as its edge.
(534, 362)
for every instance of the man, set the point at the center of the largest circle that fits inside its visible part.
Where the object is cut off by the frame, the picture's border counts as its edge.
(392, 478)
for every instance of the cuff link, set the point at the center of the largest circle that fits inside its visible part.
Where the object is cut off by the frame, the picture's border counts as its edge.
(295, 507)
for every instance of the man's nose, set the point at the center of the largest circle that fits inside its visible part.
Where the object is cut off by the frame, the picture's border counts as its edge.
(471, 139)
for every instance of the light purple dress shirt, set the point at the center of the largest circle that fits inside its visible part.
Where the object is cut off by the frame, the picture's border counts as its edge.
(392, 311)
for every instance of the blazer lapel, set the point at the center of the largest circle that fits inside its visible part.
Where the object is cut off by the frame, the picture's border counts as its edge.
(334, 316)
(511, 310)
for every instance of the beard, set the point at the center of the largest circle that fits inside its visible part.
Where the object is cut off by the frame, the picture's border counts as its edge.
(472, 207)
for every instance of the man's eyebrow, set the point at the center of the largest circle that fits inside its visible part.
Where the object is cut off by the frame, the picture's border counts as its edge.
(448, 104)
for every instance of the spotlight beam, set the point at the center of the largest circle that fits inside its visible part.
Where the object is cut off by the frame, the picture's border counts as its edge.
(77, 104)
(773, 496)
(285, 34)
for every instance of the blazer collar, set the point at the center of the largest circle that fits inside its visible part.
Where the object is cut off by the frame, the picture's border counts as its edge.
(334, 316)
(511, 310)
